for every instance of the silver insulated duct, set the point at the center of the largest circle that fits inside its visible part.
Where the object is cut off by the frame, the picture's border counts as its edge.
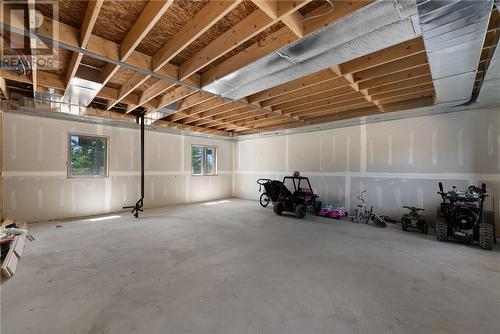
(489, 95)
(374, 27)
(454, 33)
(490, 88)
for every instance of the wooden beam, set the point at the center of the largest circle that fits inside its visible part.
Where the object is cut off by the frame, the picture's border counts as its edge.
(415, 60)
(361, 102)
(270, 7)
(415, 95)
(201, 22)
(328, 86)
(158, 88)
(292, 86)
(247, 28)
(52, 80)
(149, 17)
(345, 114)
(325, 103)
(33, 42)
(328, 112)
(395, 77)
(315, 97)
(354, 85)
(194, 100)
(3, 88)
(175, 95)
(404, 91)
(210, 14)
(142, 26)
(132, 84)
(93, 9)
(383, 56)
(89, 20)
(282, 37)
(409, 104)
(295, 22)
(400, 84)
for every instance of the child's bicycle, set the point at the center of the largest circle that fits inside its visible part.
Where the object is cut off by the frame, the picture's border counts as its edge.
(363, 215)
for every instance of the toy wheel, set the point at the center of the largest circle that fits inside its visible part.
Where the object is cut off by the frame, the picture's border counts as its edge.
(317, 208)
(486, 236)
(264, 200)
(300, 211)
(441, 228)
(278, 208)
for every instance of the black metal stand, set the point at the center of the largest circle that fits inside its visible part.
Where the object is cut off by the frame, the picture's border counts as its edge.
(140, 203)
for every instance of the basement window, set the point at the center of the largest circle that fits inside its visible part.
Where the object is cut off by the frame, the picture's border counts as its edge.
(88, 156)
(204, 160)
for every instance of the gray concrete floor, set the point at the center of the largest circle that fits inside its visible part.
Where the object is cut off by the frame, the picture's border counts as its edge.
(237, 268)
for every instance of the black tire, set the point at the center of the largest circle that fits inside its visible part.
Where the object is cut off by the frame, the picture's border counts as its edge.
(486, 236)
(404, 225)
(317, 208)
(264, 200)
(278, 208)
(379, 222)
(441, 228)
(300, 211)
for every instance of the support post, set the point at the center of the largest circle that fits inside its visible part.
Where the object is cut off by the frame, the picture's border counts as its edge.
(138, 207)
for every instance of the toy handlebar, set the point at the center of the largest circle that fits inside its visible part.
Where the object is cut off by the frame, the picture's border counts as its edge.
(263, 181)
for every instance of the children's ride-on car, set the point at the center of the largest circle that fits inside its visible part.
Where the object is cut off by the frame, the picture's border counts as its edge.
(299, 200)
(461, 217)
(415, 220)
(332, 212)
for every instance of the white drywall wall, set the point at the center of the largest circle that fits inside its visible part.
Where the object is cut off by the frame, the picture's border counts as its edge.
(400, 162)
(36, 186)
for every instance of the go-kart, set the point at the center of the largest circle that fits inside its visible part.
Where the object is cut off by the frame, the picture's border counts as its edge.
(299, 199)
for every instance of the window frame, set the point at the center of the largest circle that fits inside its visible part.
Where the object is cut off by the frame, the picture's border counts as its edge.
(216, 167)
(68, 157)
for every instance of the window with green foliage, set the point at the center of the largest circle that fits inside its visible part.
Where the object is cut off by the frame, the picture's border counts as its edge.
(88, 156)
(204, 160)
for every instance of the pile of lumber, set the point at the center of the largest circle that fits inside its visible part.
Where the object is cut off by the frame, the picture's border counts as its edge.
(15, 234)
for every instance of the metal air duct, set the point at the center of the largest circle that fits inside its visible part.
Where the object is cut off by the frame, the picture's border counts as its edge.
(374, 27)
(82, 88)
(489, 94)
(454, 33)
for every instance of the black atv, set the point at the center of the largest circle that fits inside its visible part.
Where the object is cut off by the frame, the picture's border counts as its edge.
(414, 220)
(298, 201)
(461, 217)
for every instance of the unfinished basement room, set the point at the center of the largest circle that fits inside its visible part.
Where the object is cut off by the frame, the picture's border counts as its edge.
(250, 166)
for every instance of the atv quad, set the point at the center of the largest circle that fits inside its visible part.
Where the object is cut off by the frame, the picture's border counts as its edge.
(461, 217)
(414, 220)
(298, 201)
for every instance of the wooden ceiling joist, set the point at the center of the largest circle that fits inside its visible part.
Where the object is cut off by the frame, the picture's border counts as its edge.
(293, 86)
(3, 88)
(328, 86)
(146, 21)
(210, 14)
(306, 97)
(33, 43)
(396, 77)
(195, 99)
(175, 95)
(247, 28)
(316, 19)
